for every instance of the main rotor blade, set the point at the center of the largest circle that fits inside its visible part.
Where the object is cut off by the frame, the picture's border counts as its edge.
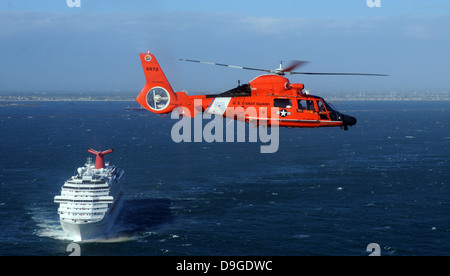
(337, 74)
(225, 65)
(295, 64)
(287, 70)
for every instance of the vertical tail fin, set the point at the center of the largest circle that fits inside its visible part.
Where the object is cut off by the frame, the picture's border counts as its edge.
(157, 95)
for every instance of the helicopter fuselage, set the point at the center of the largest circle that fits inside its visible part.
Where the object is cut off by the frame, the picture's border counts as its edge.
(266, 100)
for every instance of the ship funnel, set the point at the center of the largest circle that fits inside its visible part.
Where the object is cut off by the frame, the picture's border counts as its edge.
(99, 161)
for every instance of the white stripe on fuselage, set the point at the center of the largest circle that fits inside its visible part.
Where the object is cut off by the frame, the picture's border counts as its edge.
(218, 106)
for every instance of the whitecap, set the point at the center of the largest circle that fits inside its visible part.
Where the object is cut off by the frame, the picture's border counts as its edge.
(382, 228)
(52, 230)
(47, 225)
(302, 236)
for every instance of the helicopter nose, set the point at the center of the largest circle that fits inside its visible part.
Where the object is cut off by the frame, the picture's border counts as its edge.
(348, 121)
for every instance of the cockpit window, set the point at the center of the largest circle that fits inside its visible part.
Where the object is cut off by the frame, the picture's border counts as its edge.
(334, 115)
(329, 106)
(322, 110)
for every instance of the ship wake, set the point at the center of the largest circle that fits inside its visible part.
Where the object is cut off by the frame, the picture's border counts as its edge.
(137, 218)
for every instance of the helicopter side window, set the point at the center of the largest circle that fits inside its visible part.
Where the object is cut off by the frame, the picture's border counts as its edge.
(300, 105)
(305, 105)
(322, 111)
(321, 106)
(282, 103)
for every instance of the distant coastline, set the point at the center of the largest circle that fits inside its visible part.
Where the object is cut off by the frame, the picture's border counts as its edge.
(63, 98)
(6, 104)
(11, 99)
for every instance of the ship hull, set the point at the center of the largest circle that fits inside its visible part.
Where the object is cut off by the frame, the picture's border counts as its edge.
(93, 230)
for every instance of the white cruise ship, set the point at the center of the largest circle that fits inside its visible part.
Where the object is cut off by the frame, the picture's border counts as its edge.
(91, 200)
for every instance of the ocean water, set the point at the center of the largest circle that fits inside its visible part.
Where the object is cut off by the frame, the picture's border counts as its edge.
(324, 192)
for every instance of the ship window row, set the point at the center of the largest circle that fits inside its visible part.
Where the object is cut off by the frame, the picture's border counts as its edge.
(86, 188)
(63, 213)
(81, 214)
(72, 200)
(78, 220)
(84, 196)
(83, 205)
(84, 209)
(86, 182)
(85, 193)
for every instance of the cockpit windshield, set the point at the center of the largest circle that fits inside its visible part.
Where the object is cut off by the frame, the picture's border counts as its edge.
(329, 106)
(332, 112)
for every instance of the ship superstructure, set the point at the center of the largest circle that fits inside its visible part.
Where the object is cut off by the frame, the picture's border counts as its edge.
(91, 200)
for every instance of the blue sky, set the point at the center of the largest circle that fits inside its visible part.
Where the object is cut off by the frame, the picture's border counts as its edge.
(47, 46)
(286, 8)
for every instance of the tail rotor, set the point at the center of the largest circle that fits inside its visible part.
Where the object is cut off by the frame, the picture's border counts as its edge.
(158, 98)
(157, 95)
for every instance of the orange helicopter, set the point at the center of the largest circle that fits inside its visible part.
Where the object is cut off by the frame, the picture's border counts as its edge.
(268, 99)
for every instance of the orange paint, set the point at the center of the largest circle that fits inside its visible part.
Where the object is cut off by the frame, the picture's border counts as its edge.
(268, 96)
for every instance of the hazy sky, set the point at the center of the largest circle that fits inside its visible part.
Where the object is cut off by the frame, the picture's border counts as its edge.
(47, 46)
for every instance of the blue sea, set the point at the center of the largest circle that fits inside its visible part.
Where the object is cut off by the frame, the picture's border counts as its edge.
(324, 192)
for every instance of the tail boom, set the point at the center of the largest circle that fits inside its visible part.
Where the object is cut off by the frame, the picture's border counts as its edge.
(157, 95)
